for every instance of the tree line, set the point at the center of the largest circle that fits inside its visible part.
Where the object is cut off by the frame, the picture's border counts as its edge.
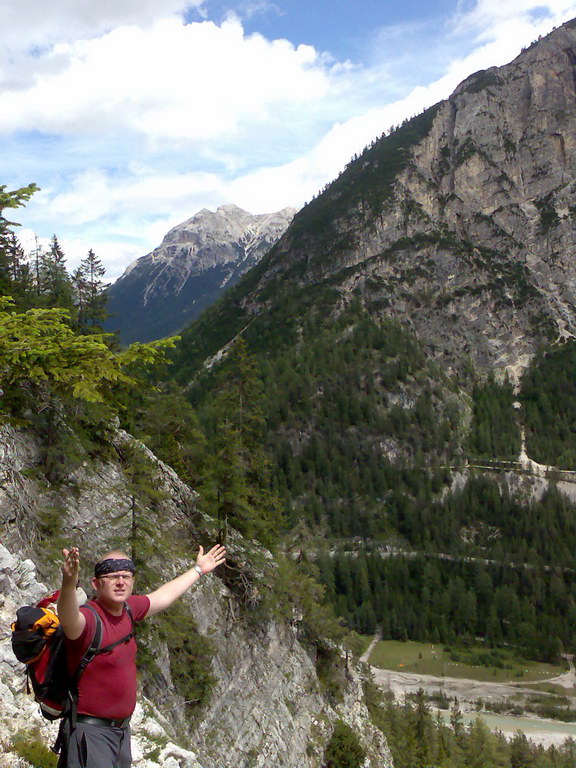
(433, 600)
(418, 738)
(347, 433)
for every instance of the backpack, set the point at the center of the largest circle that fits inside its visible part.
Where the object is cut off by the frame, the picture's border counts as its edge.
(38, 641)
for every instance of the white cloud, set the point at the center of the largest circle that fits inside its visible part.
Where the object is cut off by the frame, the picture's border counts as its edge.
(168, 117)
(170, 80)
(498, 18)
(26, 24)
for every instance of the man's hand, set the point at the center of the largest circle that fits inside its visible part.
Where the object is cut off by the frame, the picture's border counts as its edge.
(212, 559)
(71, 618)
(71, 566)
(164, 596)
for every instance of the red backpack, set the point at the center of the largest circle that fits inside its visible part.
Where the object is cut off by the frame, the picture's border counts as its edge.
(38, 642)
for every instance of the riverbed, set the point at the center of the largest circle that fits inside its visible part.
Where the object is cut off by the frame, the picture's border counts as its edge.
(468, 692)
(546, 732)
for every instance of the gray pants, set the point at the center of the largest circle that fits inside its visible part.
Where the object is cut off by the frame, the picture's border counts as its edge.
(98, 746)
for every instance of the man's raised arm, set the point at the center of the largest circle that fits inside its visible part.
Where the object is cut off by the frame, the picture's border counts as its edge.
(164, 596)
(71, 618)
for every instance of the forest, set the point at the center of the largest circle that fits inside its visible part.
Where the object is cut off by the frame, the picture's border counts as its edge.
(334, 440)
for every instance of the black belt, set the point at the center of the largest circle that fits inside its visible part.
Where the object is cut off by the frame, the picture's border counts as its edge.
(102, 721)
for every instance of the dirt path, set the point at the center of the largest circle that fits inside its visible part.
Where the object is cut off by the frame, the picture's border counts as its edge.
(366, 655)
(566, 679)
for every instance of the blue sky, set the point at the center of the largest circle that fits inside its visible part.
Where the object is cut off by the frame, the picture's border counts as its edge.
(344, 28)
(132, 115)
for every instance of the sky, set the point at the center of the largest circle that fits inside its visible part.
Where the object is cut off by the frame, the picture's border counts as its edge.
(133, 115)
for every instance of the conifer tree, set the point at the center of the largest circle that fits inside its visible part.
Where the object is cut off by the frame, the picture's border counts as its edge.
(142, 484)
(90, 293)
(238, 486)
(20, 275)
(344, 749)
(11, 255)
(55, 284)
(13, 199)
(169, 426)
(39, 348)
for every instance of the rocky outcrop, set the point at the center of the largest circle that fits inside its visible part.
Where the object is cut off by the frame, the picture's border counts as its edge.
(161, 292)
(461, 222)
(20, 716)
(268, 706)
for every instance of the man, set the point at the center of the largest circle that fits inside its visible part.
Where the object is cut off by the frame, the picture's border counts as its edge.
(107, 688)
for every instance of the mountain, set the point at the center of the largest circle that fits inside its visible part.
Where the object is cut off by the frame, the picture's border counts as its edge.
(414, 332)
(225, 681)
(165, 290)
(459, 224)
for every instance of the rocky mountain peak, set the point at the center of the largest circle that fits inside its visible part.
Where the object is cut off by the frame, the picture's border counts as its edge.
(197, 259)
(461, 222)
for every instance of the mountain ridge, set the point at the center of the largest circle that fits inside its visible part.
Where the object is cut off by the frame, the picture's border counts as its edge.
(163, 290)
(459, 223)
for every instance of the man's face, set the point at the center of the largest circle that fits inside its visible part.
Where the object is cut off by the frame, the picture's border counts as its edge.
(114, 588)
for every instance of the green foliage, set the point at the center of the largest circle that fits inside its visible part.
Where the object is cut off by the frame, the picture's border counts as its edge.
(548, 216)
(331, 673)
(29, 745)
(484, 520)
(39, 346)
(338, 388)
(480, 80)
(331, 401)
(190, 657)
(16, 198)
(167, 423)
(142, 483)
(344, 749)
(494, 432)
(418, 739)
(297, 597)
(548, 398)
(364, 187)
(42, 358)
(54, 282)
(440, 600)
(90, 293)
(237, 488)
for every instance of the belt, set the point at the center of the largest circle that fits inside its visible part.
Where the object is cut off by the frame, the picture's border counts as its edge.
(102, 721)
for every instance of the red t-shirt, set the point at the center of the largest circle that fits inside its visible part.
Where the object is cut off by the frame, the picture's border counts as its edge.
(107, 687)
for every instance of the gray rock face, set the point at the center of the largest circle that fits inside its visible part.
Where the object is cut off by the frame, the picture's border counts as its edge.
(267, 707)
(19, 713)
(462, 222)
(197, 260)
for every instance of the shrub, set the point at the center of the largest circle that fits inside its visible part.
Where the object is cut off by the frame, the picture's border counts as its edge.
(344, 749)
(30, 746)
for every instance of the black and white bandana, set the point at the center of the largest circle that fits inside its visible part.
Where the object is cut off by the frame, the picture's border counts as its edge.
(111, 566)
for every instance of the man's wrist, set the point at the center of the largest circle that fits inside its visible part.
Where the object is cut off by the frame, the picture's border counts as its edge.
(198, 570)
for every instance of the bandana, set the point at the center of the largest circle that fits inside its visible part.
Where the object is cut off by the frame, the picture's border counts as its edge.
(111, 566)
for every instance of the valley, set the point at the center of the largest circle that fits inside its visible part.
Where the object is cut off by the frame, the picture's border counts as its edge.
(496, 694)
(345, 419)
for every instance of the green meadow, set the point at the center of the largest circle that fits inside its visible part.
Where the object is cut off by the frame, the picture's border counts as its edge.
(475, 662)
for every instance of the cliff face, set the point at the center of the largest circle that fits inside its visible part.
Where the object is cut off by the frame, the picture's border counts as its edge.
(268, 706)
(460, 223)
(163, 291)
(19, 714)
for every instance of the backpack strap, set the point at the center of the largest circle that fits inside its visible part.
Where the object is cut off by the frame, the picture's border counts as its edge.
(93, 650)
(68, 722)
(129, 636)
